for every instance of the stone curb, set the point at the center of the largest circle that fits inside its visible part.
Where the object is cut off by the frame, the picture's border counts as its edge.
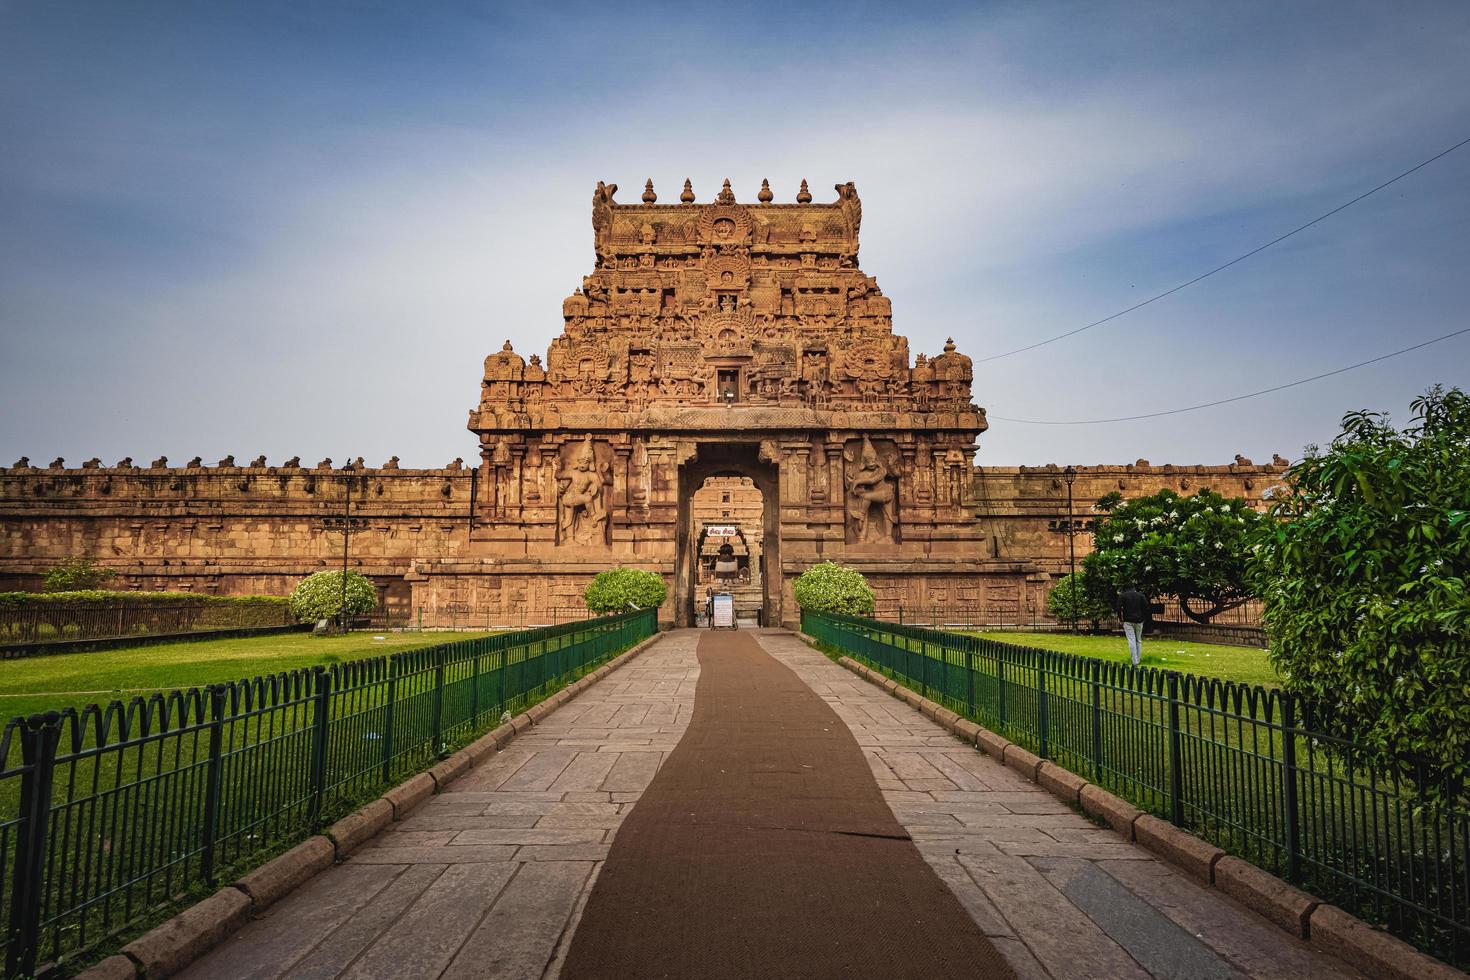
(1178, 847)
(359, 827)
(115, 967)
(173, 945)
(1061, 783)
(168, 948)
(1115, 811)
(1373, 950)
(277, 878)
(1289, 908)
(1284, 904)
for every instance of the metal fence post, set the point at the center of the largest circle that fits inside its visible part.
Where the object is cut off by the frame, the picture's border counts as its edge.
(388, 718)
(322, 690)
(475, 688)
(437, 743)
(1176, 771)
(1000, 673)
(1041, 718)
(970, 683)
(39, 737)
(1096, 721)
(943, 672)
(212, 779)
(1288, 774)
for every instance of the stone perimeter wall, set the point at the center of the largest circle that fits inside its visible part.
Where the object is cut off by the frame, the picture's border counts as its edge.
(240, 530)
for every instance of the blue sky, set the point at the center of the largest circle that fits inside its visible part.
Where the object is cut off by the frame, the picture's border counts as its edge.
(298, 228)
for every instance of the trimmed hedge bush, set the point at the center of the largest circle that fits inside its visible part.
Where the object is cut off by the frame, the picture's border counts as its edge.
(319, 596)
(829, 587)
(624, 590)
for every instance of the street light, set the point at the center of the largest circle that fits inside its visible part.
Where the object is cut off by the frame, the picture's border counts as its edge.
(1070, 475)
(346, 524)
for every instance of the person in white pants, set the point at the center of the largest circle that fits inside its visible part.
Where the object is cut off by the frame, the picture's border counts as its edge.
(1133, 611)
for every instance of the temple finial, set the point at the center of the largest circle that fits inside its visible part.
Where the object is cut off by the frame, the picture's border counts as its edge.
(648, 195)
(687, 197)
(804, 196)
(765, 194)
(726, 196)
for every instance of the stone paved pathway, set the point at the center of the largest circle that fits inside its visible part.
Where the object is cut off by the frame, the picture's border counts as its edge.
(488, 878)
(483, 880)
(1060, 896)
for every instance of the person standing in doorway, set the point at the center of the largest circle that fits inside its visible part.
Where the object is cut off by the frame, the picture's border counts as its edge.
(1133, 610)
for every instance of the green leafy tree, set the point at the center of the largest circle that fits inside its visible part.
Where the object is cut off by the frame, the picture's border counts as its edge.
(1363, 581)
(1074, 599)
(829, 587)
(625, 589)
(77, 575)
(1194, 548)
(319, 596)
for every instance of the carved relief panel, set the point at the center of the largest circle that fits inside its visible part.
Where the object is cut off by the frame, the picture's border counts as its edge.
(870, 479)
(583, 482)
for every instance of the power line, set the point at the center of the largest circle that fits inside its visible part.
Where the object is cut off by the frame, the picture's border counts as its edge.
(1236, 398)
(1222, 268)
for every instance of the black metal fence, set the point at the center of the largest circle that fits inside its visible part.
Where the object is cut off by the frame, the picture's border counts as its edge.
(467, 617)
(109, 813)
(974, 615)
(1239, 765)
(39, 621)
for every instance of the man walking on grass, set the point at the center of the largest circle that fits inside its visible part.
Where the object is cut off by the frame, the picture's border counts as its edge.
(1133, 610)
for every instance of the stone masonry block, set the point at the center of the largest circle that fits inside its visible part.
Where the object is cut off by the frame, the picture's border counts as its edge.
(355, 829)
(1372, 950)
(967, 730)
(992, 744)
(1064, 785)
(450, 769)
(406, 796)
(927, 708)
(539, 711)
(1022, 761)
(1118, 813)
(481, 748)
(521, 722)
(117, 967)
(170, 947)
(947, 719)
(502, 734)
(1179, 847)
(1283, 904)
(276, 878)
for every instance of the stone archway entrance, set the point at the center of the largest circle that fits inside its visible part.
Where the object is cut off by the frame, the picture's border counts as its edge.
(712, 459)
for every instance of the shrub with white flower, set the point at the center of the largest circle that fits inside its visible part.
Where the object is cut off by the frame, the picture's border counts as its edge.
(830, 587)
(1192, 548)
(319, 596)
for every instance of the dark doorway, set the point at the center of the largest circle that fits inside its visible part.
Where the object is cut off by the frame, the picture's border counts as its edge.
(761, 594)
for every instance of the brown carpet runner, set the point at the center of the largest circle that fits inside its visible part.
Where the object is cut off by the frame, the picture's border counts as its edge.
(764, 848)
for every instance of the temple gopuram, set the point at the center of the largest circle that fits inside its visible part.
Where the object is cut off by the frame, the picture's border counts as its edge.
(728, 339)
(735, 344)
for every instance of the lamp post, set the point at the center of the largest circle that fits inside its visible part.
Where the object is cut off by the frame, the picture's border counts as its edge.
(346, 524)
(1070, 475)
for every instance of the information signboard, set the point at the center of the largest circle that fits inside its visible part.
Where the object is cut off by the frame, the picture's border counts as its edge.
(724, 611)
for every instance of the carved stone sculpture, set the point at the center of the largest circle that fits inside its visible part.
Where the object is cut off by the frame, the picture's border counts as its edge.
(582, 517)
(872, 493)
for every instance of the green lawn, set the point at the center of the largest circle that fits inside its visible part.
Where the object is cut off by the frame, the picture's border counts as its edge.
(41, 683)
(1241, 664)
